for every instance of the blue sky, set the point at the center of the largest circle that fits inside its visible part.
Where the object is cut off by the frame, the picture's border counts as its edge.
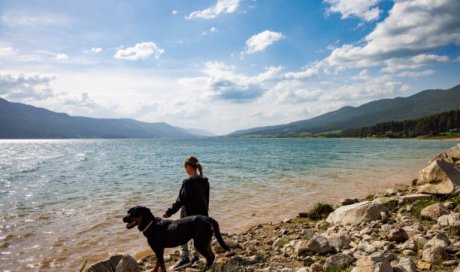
(223, 65)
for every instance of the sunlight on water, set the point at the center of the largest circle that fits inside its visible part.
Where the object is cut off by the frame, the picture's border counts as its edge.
(62, 200)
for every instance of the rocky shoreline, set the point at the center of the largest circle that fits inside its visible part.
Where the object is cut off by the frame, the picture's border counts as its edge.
(413, 227)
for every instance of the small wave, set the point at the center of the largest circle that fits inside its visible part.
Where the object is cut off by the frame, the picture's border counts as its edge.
(81, 157)
(29, 170)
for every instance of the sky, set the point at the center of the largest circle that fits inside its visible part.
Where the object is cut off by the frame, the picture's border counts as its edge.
(223, 65)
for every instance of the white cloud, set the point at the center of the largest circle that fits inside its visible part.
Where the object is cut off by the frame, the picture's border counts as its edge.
(222, 6)
(7, 51)
(354, 92)
(416, 73)
(139, 51)
(94, 50)
(221, 82)
(309, 72)
(80, 101)
(412, 28)
(363, 75)
(364, 9)
(61, 56)
(174, 12)
(396, 64)
(21, 19)
(261, 41)
(211, 30)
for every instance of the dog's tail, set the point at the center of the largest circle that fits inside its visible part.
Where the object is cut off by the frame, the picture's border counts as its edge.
(218, 235)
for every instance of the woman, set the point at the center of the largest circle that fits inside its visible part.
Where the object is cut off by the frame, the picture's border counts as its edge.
(193, 199)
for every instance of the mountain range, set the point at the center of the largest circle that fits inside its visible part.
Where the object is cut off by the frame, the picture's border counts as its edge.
(422, 104)
(20, 121)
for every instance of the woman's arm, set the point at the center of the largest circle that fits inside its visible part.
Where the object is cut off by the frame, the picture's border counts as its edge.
(178, 204)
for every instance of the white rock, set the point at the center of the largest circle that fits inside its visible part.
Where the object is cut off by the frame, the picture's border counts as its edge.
(405, 199)
(373, 263)
(457, 269)
(442, 174)
(406, 265)
(356, 213)
(449, 220)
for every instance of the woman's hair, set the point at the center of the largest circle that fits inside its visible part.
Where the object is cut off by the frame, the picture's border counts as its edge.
(195, 164)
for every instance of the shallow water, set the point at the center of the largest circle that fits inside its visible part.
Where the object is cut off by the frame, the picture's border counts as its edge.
(62, 201)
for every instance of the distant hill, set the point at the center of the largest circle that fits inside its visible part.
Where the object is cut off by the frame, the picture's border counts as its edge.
(200, 132)
(20, 121)
(422, 104)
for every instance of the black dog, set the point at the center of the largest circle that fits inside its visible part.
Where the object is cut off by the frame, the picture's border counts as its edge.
(162, 234)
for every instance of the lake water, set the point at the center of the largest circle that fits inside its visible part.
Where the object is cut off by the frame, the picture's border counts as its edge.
(62, 201)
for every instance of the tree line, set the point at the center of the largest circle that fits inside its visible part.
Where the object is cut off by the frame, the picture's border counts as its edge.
(426, 126)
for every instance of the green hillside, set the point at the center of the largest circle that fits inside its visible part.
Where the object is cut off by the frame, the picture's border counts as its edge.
(422, 104)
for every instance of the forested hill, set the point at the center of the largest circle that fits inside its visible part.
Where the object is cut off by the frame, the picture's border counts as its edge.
(446, 122)
(422, 104)
(20, 121)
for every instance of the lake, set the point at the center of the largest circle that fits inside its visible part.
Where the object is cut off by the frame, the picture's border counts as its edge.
(62, 201)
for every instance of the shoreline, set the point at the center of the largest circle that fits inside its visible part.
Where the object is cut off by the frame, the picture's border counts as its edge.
(239, 202)
(289, 246)
(146, 252)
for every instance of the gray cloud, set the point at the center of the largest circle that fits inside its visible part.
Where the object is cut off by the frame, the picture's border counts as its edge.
(83, 101)
(231, 91)
(25, 87)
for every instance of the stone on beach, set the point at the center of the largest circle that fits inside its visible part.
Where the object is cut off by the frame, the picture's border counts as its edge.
(117, 263)
(356, 213)
(398, 235)
(406, 199)
(406, 265)
(449, 220)
(434, 211)
(434, 250)
(375, 263)
(337, 262)
(442, 174)
(319, 244)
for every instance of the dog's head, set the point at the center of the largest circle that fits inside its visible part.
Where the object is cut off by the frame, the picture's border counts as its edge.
(138, 216)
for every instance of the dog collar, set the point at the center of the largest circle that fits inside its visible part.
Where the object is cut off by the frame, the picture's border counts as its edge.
(148, 226)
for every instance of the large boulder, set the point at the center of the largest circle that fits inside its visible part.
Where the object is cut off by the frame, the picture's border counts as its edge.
(442, 174)
(356, 213)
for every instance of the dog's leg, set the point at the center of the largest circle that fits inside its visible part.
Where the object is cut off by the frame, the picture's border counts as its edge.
(156, 267)
(204, 248)
(160, 260)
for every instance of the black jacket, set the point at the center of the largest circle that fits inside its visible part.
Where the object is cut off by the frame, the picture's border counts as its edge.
(193, 198)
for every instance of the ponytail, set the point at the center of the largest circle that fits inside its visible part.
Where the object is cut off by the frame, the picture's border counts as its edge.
(199, 168)
(194, 163)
